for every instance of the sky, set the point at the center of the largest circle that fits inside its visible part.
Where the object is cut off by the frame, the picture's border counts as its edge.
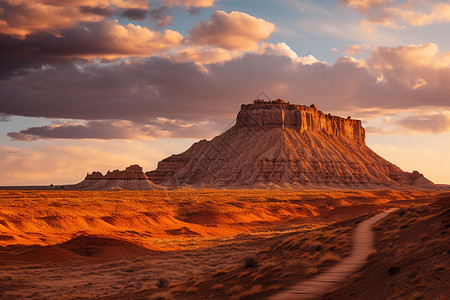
(99, 85)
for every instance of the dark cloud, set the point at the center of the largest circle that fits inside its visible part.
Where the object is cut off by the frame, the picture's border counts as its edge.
(160, 16)
(4, 117)
(144, 90)
(105, 12)
(134, 14)
(117, 129)
(103, 39)
(436, 123)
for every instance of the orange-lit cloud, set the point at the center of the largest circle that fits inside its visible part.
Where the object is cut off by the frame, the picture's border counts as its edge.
(106, 39)
(190, 3)
(25, 17)
(203, 55)
(232, 31)
(21, 18)
(413, 67)
(395, 14)
(356, 49)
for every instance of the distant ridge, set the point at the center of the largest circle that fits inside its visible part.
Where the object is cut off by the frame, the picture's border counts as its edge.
(275, 144)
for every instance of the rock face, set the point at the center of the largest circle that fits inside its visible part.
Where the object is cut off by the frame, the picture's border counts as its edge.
(280, 145)
(278, 114)
(132, 178)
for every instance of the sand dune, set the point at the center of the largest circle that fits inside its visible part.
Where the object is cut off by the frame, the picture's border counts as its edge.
(149, 218)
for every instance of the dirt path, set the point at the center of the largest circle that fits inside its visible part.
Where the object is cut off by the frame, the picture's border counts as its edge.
(362, 246)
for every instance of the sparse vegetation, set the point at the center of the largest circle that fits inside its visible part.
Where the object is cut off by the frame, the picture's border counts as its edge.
(162, 283)
(250, 262)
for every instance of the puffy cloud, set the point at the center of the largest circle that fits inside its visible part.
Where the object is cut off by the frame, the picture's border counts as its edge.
(21, 17)
(232, 31)
(203, 55)
(25, 17)
(396, 14)
(410, 68)
(190, 3)
(144, 90)
(106, 39)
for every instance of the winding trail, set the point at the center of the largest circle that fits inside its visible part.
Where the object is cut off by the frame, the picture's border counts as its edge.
(362, 246)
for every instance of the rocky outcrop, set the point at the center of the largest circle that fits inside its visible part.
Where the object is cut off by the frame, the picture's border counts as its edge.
(280, 145)
(131, 172)
(132, 178)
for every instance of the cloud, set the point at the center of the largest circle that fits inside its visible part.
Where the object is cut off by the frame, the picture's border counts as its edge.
(366, 5)
(21, 17)
(435, 123)
(4, 117)
(106, 39)
(117, 129)
(143, 90)
(356, 49)
(420, 68)
(190, 3)
(160, 16)
(232, 31)
(203, 55)
(398, 14)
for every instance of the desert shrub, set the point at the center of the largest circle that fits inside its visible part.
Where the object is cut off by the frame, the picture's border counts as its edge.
(217, 286)
(220, 272)
(329, 257)
(439, 267)
(313, 246)
(191, 289)
(254, 290)
(250, 262)
(311, 271)
(401, 212)
(162, 283)
(235, 289)
(393, 270)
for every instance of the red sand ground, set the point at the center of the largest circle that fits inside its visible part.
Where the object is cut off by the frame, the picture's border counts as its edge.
(63, 244)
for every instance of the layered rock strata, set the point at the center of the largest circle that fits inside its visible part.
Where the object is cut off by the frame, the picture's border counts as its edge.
(280, 145)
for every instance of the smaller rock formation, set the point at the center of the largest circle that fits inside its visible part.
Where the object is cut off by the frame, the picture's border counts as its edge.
(132, 172)
(132, 178)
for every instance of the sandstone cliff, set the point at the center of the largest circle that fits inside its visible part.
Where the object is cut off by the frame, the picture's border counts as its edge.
(132, 178)
(280, 145)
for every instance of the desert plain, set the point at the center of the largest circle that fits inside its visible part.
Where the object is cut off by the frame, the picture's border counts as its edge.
(216, 244)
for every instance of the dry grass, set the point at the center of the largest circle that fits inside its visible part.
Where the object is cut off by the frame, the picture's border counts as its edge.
(410, 261)
(252, 291)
